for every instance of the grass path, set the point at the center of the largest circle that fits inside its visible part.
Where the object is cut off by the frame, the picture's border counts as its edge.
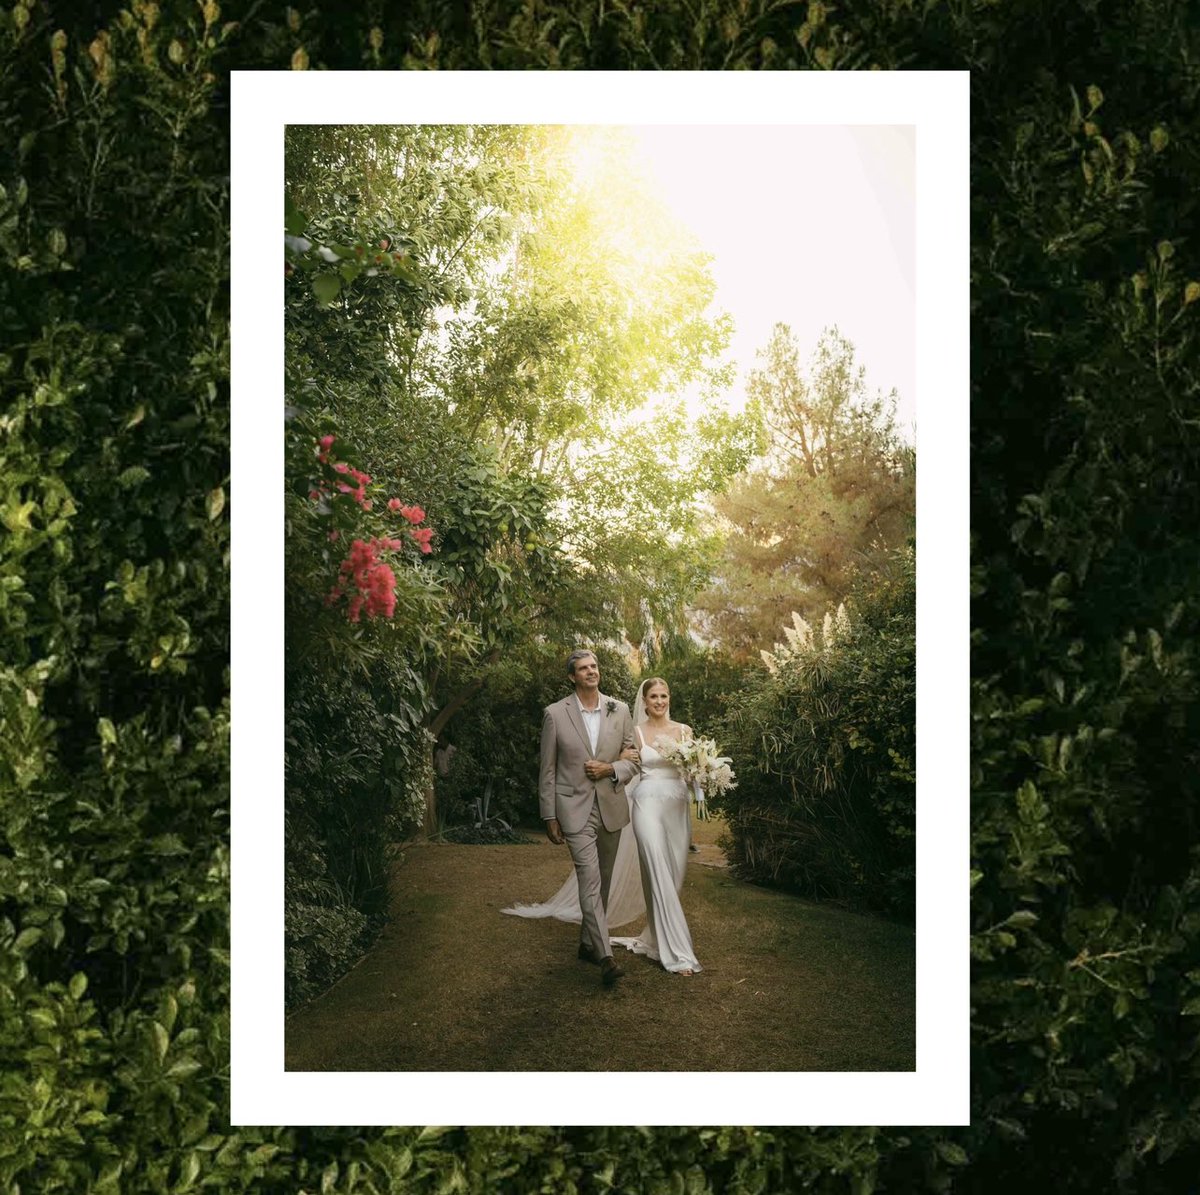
(452, 984)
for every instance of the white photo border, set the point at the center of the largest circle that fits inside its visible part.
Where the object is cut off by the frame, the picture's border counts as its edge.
(937, 1092)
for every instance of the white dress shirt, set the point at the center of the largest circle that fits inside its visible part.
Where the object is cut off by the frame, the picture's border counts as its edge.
(591, 722)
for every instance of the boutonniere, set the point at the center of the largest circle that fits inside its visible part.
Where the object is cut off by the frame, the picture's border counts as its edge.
(609, 706)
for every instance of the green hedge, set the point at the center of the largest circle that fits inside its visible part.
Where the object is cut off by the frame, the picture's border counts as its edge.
(113, 811)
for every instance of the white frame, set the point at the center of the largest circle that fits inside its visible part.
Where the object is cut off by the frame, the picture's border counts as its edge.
(937, 1092)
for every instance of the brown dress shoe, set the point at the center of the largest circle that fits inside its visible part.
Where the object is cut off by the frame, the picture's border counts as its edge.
(585, 953)
(610, 971)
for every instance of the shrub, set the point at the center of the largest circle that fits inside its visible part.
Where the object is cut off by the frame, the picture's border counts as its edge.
(824, 747)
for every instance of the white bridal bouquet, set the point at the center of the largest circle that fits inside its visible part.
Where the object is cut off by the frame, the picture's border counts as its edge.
(707, 771)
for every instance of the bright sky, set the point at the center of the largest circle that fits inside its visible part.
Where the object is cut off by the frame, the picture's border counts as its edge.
(811, 226)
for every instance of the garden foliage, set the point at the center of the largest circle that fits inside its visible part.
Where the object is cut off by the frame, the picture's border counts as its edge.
(824, 740)
(114, 911)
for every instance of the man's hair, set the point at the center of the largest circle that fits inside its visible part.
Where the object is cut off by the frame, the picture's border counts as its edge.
(575, 657)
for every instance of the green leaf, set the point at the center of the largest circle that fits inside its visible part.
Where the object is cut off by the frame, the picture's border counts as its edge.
(326, 287)
(27, 939)
(162, 1039)
(1022, 919)
(215, 503)
(952, 1153)
(78, 985)
(132, 476)
(191, 1167)
(42, 1018)
(16, 515)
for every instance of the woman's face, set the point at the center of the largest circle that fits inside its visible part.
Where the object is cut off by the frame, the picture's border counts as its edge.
(658, 700)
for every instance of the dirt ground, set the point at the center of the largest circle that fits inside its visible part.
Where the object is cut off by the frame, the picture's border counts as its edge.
(453, 984)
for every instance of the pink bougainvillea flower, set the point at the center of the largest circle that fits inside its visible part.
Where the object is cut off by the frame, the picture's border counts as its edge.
(393, 504)
(342, 467)
(326, 443)
(414, 514)
(346, 489)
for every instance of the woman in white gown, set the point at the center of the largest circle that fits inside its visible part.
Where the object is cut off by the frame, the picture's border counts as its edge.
(651, 859)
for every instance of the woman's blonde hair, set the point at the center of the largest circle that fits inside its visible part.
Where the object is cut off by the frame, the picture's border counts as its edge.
(652, 680)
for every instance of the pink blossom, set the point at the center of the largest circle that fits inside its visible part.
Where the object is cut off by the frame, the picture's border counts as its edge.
(326, 443)
(414, 514)
(342, 467)
(393, 504)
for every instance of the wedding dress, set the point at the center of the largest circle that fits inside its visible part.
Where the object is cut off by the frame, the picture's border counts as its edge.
(625, 901)
(661, 830)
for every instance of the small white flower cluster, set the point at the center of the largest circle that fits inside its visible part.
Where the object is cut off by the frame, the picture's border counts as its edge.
(801, 639)
(701, 763)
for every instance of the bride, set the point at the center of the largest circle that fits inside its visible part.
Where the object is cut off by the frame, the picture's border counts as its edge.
(651, 859)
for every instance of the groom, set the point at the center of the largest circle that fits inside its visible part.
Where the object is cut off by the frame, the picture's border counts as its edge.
(588, 756)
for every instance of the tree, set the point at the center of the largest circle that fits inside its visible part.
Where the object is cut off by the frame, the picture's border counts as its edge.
(831, 495)
(474, 288)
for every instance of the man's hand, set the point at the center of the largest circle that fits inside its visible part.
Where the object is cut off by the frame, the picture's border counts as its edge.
(597, 769)
(554, 831)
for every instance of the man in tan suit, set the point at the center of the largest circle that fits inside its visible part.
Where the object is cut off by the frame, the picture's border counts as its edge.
(588, 756)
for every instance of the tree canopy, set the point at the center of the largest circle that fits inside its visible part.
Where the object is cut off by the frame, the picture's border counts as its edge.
(830, 496)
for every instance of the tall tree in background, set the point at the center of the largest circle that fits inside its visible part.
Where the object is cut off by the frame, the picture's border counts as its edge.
(833, 492)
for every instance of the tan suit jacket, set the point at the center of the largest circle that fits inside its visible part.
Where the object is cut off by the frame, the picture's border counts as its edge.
(564, 790)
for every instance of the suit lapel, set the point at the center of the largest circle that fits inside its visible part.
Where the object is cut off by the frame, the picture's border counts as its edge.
(605, 723)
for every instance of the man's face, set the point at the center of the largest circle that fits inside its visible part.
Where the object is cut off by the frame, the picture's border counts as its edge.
(587, 675)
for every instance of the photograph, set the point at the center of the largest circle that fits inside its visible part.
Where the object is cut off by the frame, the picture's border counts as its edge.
(600, 598)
